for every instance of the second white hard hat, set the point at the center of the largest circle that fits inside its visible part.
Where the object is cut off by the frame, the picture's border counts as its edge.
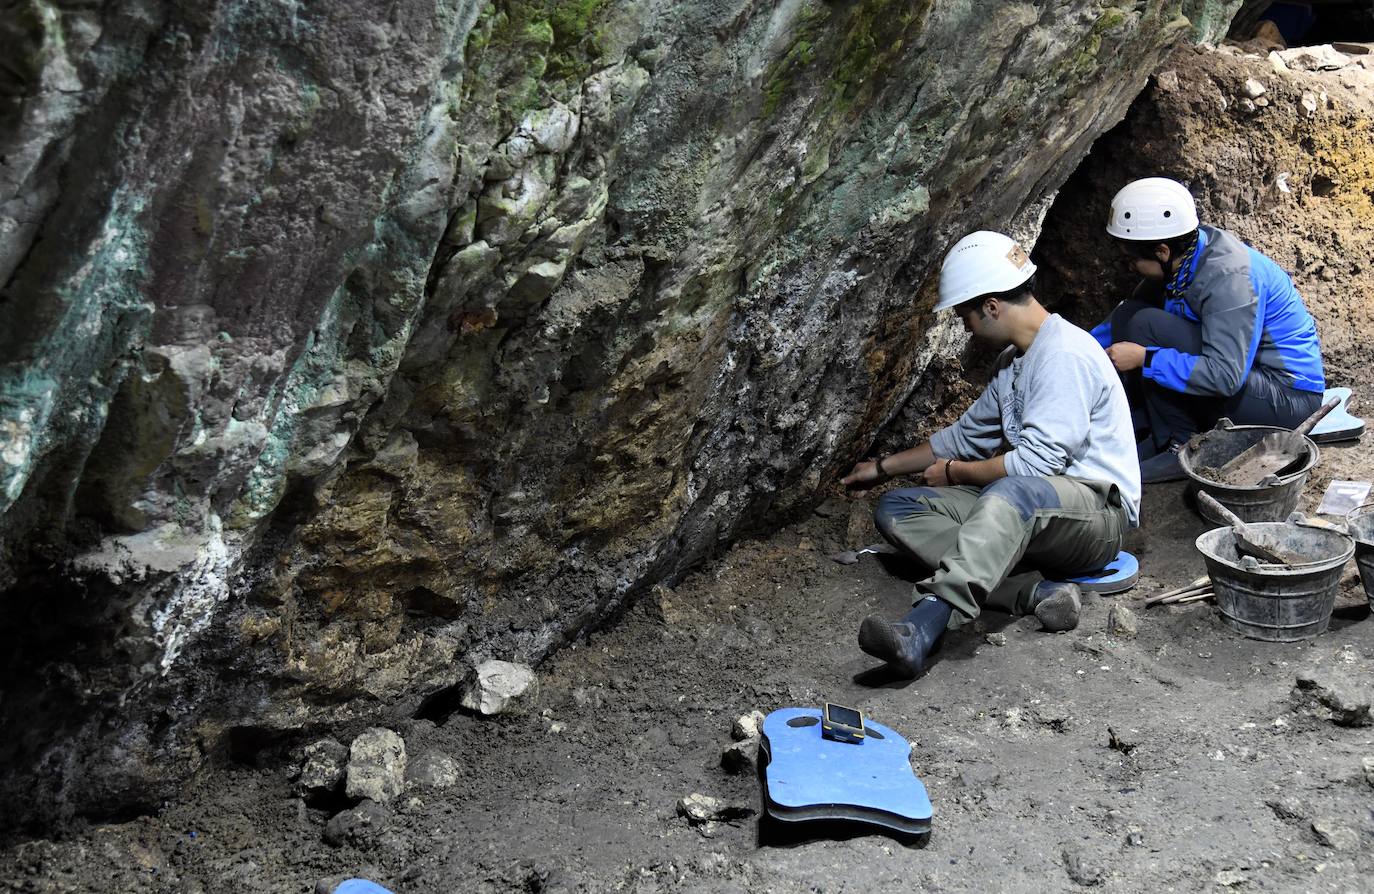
(982, 263)
(1153, 208)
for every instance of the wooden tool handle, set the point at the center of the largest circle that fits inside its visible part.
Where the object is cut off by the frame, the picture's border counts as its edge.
(1227, 515)
(1311, 421)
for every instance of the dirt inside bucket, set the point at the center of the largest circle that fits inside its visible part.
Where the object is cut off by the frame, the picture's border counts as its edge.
(1233, 463)
(1299, 545)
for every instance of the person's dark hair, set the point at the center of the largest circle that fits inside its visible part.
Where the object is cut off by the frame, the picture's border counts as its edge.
(1146, 248)
(1019, 295)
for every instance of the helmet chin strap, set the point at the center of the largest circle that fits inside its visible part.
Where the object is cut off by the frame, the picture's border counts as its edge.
(1184, 277)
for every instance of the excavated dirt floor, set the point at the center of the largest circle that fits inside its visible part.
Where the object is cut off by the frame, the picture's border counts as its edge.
(1223, 775)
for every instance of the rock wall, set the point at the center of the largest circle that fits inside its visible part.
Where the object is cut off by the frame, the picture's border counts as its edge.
(346, 344)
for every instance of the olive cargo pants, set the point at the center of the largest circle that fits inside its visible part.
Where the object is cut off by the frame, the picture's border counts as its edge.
(989, 547)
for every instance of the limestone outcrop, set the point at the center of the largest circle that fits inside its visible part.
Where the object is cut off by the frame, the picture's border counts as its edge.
(348, 345)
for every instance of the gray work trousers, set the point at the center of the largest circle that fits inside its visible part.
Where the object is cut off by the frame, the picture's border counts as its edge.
(990, 547)
(1264, 398)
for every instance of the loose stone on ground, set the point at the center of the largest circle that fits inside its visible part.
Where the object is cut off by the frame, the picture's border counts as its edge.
(500, 687)
(433, 769)
(1342, 701)
(358, 825)
(322, 765)
(1121, 621)
(376, 766)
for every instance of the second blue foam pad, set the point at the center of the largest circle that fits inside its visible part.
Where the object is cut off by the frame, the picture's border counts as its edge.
(810, 777)
(1338, 425)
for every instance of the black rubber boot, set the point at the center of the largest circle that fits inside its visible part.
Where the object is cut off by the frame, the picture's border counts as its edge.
(905, 644)
(1163, 466)
(1056, 604)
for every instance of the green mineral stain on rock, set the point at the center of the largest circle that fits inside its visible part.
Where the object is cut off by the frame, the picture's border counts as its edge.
(103, 314)
(855, 45)
(519, 45)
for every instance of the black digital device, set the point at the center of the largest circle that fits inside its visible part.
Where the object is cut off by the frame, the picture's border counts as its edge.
(842, 724)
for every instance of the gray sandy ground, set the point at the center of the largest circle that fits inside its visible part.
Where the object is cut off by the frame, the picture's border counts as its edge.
(1222, 779)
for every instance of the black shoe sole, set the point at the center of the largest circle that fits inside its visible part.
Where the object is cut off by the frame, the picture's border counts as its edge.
(877, 638)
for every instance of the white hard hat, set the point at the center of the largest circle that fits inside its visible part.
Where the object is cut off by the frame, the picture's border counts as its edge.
(980, 264)
(1155, 208)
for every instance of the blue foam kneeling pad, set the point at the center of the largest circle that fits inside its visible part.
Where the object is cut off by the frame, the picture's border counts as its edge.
(1338, 425)
(360, 886)
(810, 777)
(1119, 576)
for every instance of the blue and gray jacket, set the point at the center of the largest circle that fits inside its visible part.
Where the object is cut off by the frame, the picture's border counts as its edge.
(1250, 315)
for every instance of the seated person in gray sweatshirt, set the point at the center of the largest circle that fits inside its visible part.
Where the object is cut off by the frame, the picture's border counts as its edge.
(1038, 477)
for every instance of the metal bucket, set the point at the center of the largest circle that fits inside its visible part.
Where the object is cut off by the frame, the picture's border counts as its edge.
(1360, 523)
(1283, 603)
(1259, 503)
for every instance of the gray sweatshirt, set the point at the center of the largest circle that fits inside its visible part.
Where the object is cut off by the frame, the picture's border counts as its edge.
(1058, 409)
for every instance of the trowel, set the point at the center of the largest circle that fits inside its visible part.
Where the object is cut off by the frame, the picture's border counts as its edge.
(1273, 454)
(1250, 541)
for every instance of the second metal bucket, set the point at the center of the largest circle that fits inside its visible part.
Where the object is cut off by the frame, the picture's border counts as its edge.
(1278, 603)
(1360, 524)
(1261, 503)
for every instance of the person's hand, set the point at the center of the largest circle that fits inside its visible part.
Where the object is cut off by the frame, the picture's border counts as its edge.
(936, 474)
(1126, 356)
(863, 473)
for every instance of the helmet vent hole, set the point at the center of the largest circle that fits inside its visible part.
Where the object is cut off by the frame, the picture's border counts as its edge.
(1127, 215)
(1168, 214)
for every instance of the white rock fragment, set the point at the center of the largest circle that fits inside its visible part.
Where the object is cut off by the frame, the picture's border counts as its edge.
(1167, 81)
(1277, 62)
(699, 808)
(1308, 105)
(1319, 58)
(500, 687)
(1230, 878)
(1252, 89)
(747, 726)
(1121, 621)
(376, 766)
(996, 639)
(1367, 765)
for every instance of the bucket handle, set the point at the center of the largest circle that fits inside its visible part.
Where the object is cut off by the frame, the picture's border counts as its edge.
(1352, 514)
(1357, 509)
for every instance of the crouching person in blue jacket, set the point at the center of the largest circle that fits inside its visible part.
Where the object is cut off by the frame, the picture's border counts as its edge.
(1214, 329)
(1038, 477)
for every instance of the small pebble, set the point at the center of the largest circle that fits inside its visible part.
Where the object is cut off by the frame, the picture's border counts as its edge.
(1336, 837)
(747, 726)
(1121, 621)
(1082, 869)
